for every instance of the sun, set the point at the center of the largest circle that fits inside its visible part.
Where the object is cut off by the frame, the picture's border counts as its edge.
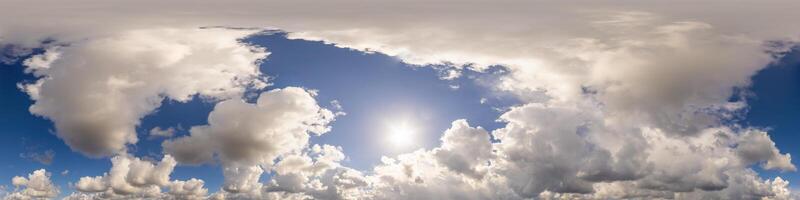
(401, 134)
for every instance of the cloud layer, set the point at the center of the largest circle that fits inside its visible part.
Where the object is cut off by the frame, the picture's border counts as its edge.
(617, 101)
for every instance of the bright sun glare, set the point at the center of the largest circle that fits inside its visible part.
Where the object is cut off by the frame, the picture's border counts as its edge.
(401, 135)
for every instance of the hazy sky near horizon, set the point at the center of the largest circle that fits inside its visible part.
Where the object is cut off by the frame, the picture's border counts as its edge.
(399, 100)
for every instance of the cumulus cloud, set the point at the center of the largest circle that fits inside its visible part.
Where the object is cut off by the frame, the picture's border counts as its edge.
(247, 137)
(187, 190)
(131, 177)
(756, 146)
(636, 95)
(96, 97)
(36, 186)
(465, 149)
(317, 174)
(626, 103)
(537, 158)
(445, 172)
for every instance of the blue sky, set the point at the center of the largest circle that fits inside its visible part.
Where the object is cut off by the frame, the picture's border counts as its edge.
(579, 99)
(372, 88)
(775, 105)
(384, 89)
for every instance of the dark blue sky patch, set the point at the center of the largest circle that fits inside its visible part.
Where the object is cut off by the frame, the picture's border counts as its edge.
(775, 105)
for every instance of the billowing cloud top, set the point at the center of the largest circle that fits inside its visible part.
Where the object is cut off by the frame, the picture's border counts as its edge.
(622, 99)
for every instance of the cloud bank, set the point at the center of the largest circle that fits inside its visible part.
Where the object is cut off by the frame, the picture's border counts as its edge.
(618, 100)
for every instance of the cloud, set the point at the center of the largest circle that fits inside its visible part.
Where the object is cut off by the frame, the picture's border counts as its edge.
(744, 184)
(636, 96)
(131, 177)
(317, 173)
(247, 137)
(96, 97)
(187, 190)
(36, 186)
(45, 158)
(157, 132)
(465, 149)
(537, 158)
(614, 97)
(445, 172)
(756, 146)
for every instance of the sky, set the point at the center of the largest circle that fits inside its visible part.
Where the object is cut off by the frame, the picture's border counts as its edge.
(309, 64)
(399, 100)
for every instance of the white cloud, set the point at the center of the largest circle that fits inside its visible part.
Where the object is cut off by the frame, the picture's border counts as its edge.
(464, 149)
(248, 137)
(96, 97)
(36, 186)
(317, 174)
(131, 177)
(538, 158)
(635, 94)
(187, 190)
(157, 132)
(419, 175)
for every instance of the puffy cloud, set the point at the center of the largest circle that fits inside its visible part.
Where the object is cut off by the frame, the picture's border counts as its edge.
(240, 178)
(131, 177)
(248, 137)
(554, 150)
(756, 146)
(312, 173)
(559, 152)
(445, 172)
(36, 186)
(634, 95)
(705, 165)
(638, 103)
(637, 77)
(317, 174)
(187, 190)
(547, 147)
(96, 97)
(465, 149)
